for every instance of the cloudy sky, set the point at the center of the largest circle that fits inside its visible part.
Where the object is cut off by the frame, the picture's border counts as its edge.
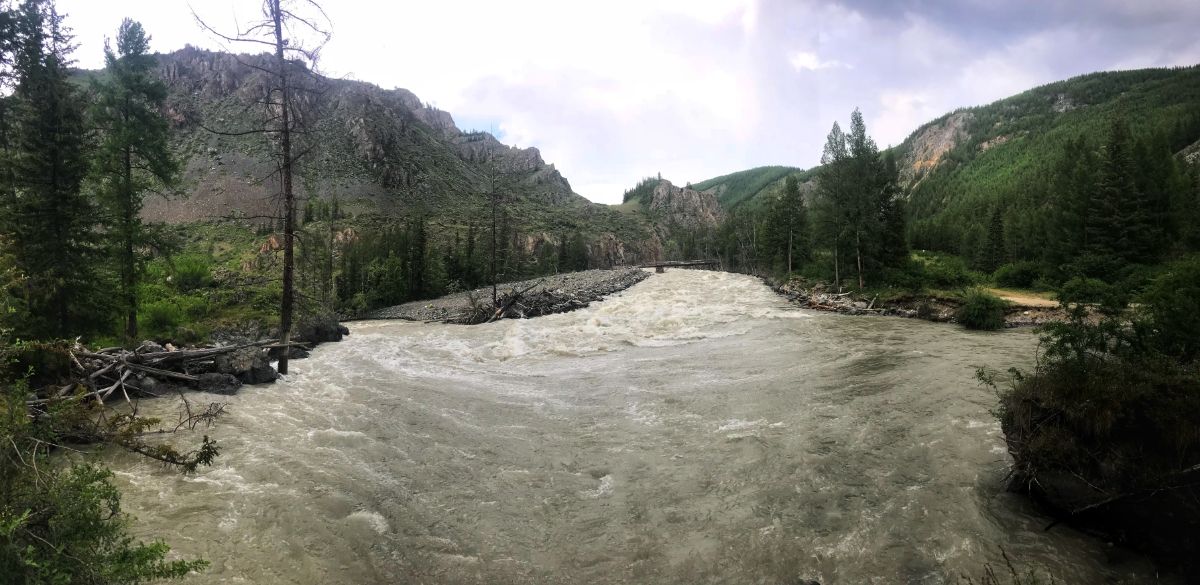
(617, 90)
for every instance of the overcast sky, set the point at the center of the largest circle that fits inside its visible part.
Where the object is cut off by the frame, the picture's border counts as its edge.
(616, 90)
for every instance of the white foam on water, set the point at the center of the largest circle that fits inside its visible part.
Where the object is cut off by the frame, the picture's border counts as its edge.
(373, 519)
(605, 489)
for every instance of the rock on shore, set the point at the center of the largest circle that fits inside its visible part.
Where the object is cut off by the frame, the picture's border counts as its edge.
(552, 294)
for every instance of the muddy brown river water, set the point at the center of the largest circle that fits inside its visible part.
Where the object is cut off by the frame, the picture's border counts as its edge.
(693, 429)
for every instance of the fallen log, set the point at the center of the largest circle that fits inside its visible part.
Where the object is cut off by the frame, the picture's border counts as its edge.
(98, 374)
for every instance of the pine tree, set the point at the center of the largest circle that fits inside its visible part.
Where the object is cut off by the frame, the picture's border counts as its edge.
(133, 157)
(50, 220)
(994, 251)
(787, 224)
(864, 195)
(893, 217)
(832, 188)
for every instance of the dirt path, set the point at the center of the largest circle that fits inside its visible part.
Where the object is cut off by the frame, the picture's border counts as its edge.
(1024, 299)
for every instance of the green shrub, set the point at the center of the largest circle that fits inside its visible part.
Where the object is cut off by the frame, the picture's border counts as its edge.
(62, 523)
(948, 272)
(160, 317)
(192, 272)
(1017, 274)
(1084, 290)
(981, 310)
(1168, 315)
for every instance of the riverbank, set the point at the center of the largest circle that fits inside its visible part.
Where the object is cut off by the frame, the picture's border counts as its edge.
(1021, 312)
(559, 293)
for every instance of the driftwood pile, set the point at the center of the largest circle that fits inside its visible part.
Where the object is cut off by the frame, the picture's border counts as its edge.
(521, 304)
(152, 370)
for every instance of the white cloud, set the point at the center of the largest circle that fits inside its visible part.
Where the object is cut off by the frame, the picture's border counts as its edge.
(808, 61)
(611, 92)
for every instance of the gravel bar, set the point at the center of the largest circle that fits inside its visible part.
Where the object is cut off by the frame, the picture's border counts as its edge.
(578, 288)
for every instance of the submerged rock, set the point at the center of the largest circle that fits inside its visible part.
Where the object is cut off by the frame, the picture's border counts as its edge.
(218, 383)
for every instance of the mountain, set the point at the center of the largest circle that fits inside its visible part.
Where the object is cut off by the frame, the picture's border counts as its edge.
(748, 185)
(965, 163)
(379, 152)
(961, 165)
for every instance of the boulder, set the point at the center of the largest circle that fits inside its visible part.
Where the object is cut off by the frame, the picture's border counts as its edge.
(218, 383)
(318, 329)
(248, 364)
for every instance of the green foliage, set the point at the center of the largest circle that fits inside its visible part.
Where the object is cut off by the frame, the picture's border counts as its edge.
(750, 186)
(981, 310)
(1060, 158)
(943, 271)
(192, 272)
(133, 155)
(1082, 289)
(1167, 321)
(159, 318)
(1113, 402)
(1022, 274)
(62, 523)
(642, 192)
(47, 215)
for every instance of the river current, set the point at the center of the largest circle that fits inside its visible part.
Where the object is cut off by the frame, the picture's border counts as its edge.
(693, 429)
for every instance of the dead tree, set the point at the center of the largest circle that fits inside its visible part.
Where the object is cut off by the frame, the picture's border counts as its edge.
(294, 31)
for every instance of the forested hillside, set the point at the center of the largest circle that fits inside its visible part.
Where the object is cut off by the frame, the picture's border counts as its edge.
(1019, 184)
(1016, 160)
(748, 185)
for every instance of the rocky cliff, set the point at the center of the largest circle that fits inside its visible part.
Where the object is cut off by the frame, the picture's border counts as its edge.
(378, 151)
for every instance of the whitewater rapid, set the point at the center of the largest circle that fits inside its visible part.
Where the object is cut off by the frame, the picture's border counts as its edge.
(695, 428)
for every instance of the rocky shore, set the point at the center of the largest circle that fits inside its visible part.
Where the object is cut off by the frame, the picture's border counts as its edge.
(559, 293)
(931, 308)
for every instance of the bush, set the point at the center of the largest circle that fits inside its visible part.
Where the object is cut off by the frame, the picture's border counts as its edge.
(1168, 316)
(1084, 290)
(981, 310)
(160, 317)
(948, 272)
(62, 524)
(1111, 408)
(1017, 274)
(192, 272)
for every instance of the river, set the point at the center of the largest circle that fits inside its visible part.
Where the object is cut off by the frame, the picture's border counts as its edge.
(693, 429)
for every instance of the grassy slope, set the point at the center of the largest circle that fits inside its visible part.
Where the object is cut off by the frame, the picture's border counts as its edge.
(737, 188)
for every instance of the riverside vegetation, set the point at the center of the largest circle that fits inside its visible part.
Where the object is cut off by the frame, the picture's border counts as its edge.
(1087, 188)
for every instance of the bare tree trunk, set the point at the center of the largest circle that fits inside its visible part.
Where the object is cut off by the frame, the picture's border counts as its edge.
(858, 257)
(837, 276)
(495, 298)
(289, 200)
(128, 268)
(789, 250)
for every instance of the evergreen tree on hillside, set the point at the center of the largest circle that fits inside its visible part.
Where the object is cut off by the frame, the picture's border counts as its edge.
(994, 253)
(893, 216)
(133, 156)
(1071, 190)
(1121, 227)
(860, 209)
(50, 220)
(787, 224)
(833, 186)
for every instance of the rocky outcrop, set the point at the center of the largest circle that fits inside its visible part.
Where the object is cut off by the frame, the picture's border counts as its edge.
(931, 144)
(684, 207)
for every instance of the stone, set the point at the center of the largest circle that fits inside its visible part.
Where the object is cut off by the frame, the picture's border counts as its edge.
(318, 329)
(218, 383)
(248, 364)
